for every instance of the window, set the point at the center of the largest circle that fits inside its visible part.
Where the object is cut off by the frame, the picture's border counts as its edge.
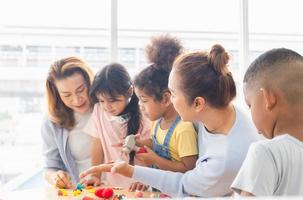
(96, 56)
(42, 32)
(127, 56)
(38, 56)
(11, 55)
(61, 52)
(194, 22)
(275, 29)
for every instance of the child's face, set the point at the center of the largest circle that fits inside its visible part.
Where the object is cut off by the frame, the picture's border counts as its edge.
(261, 116)
(114, 106)
(73, 92)
(149, 107)
(179, 100)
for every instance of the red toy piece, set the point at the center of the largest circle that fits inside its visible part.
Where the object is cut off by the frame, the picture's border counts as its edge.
(87, 198)
(142, 150)
(107, 193)
(99, 192)
(138, 194)
(104, 193)
(163, 196)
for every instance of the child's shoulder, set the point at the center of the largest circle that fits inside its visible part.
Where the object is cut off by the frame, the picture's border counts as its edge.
(97, 107)
(98, 110)
(184, 124)
(100, 114)
(185, 127)
(277, 144)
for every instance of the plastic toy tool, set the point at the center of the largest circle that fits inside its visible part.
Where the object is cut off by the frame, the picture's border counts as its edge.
(129, 144)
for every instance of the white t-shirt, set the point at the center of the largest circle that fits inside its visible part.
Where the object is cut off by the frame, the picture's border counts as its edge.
(220, 158)
(272, 167)
(79, 142)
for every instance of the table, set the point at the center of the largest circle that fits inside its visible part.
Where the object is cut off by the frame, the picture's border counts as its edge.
(51, 194)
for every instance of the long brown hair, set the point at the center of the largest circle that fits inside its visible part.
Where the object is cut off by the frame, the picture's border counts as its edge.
(58, 112)
(205, 74)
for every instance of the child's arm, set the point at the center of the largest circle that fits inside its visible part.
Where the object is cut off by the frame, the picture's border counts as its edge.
(97, 154)
(151, 158)
(97, 157)
(121, 167)
(186, 163)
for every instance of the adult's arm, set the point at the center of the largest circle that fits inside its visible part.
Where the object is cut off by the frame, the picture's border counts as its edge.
(202, 181)
(52, 159)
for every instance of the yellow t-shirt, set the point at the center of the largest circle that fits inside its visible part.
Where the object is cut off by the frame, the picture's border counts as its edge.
(183, 141)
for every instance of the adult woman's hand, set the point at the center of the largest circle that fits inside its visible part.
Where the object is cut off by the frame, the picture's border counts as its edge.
(61, 179)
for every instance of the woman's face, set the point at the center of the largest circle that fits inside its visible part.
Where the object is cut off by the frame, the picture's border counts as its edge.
(179, 100)
(73, 91)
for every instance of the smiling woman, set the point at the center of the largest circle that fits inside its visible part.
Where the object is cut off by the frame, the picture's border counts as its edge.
(69, 109)
(73, 92)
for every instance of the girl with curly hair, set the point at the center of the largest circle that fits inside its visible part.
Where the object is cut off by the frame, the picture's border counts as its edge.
(173, 142)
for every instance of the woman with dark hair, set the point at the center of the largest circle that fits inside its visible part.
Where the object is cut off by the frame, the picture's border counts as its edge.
(202, 91)
(116, 115)
(69, 108)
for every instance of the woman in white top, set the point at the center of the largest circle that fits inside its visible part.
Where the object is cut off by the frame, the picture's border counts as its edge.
(202, 89)
(66, 146)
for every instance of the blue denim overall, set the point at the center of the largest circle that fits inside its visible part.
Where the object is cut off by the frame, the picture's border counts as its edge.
(163, 149)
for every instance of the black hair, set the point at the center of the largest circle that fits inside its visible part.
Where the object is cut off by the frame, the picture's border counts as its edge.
(268, 61)
(114, 80)
(161, 53)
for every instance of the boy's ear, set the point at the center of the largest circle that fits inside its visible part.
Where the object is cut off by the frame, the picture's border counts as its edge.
(269, 97)
(166, 98)
(199, 104)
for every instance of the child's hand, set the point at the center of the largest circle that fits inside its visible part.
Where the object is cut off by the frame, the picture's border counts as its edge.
(123, 168)
(119, 167)
(91, 180)
(149, 158)
(62, 179)
(137, 136)
(96, 170)
(137, 186)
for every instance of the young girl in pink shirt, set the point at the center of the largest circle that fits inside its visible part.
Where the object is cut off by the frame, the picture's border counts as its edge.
(116, 115)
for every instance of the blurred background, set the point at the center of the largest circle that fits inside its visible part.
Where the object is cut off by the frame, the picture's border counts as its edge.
(34, 33)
